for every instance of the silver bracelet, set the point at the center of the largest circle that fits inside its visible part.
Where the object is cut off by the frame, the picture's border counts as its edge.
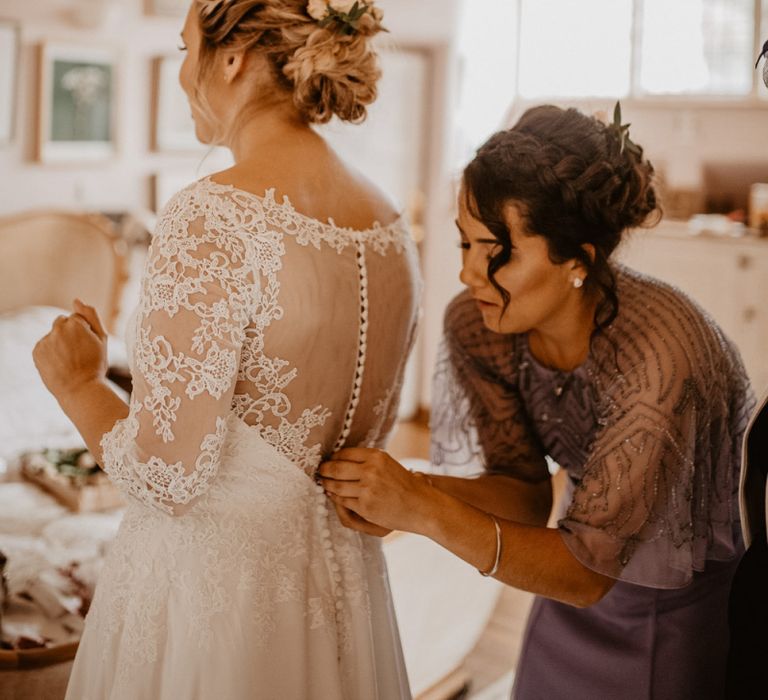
(495, 567)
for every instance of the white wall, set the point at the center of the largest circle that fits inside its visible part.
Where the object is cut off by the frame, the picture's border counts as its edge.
(122, 183)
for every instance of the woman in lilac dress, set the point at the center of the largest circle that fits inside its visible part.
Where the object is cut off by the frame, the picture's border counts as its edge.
(555, 350)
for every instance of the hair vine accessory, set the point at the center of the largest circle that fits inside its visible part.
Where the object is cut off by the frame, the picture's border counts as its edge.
(622, 131)
(343, 14)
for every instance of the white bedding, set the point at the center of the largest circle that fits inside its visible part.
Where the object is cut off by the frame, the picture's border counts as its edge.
(37, 534)
(30, 418)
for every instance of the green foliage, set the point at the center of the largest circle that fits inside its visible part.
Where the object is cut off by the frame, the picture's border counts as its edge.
(346, 21)
(68, 462)
(623, 133)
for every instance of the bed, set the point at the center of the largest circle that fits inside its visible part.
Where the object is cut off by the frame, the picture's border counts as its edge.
(48, 258)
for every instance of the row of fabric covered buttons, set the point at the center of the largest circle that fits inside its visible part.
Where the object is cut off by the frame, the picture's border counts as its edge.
(323, 507)
(361, 347)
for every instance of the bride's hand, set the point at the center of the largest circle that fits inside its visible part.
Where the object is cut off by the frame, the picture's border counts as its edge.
(74, 352)
(378, 489)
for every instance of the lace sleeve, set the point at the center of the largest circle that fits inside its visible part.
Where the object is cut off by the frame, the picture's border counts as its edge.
(197, 294)
(478, 420)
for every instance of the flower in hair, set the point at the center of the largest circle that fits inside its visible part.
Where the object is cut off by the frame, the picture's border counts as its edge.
(622, 131)
(344, 14)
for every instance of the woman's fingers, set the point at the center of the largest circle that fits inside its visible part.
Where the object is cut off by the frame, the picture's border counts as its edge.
(341, 469)
(353, 521)
(352, 504)
(356, 454)
(91, 317)
(63, 330)
(347, 489)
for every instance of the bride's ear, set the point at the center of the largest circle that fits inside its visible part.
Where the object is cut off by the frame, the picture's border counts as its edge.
(233, 66)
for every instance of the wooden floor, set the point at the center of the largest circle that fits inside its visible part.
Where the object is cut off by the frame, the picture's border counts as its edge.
(498, 649)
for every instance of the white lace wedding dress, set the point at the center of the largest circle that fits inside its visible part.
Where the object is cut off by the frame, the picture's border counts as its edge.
(263, 340)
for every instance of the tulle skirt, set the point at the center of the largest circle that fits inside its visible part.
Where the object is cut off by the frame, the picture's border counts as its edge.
(256, 592)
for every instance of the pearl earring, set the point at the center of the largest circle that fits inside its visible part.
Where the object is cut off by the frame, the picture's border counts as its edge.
(578, 282)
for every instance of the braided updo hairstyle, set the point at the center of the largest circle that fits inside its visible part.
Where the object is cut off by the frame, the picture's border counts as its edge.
(325, 72)
(575, 184)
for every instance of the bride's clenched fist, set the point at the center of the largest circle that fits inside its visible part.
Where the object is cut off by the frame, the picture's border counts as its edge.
(74, 352)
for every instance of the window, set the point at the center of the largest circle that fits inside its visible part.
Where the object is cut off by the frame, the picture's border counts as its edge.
(638, 48)
(578, 49)
(700, 47)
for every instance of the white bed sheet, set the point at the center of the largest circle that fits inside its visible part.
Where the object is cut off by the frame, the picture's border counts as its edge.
(30, 417)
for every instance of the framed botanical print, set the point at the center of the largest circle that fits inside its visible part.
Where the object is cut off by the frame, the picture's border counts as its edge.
(168, 8)
(9, 69)
(172, 127)
(77, 103)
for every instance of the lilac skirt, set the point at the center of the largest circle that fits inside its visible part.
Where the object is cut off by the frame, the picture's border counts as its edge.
(637, 643)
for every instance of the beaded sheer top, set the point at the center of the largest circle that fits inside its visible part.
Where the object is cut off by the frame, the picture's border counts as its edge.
(649, 429)
(252, 311)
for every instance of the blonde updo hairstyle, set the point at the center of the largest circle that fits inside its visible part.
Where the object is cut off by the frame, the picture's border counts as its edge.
(322, 70)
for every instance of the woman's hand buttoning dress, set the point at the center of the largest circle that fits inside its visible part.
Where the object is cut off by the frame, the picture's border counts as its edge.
(555, 350)
(266, 336)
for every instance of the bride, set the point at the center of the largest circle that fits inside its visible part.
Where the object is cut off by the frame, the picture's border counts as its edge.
(277, 308)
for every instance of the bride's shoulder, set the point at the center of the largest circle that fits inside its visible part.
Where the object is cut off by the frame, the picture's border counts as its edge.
(324, 188)
(189, 200)
(361, 189)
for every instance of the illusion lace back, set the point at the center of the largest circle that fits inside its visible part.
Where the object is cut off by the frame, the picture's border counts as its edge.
(264, 340)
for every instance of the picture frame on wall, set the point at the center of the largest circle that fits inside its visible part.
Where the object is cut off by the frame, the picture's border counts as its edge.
(166, 8)
(173, 129)
(10, 51)
(77, 103)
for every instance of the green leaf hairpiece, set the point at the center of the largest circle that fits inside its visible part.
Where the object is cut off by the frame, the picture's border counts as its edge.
(622, 131)
(346, 21)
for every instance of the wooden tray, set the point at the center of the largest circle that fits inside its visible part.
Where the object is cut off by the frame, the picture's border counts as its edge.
(14, 660)
(100, 495)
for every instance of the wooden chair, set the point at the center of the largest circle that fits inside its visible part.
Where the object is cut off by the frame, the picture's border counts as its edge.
(50, 257)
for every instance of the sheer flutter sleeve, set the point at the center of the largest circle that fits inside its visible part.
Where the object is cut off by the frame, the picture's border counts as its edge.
(197, 294)
(478, 420)
(656, 497)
